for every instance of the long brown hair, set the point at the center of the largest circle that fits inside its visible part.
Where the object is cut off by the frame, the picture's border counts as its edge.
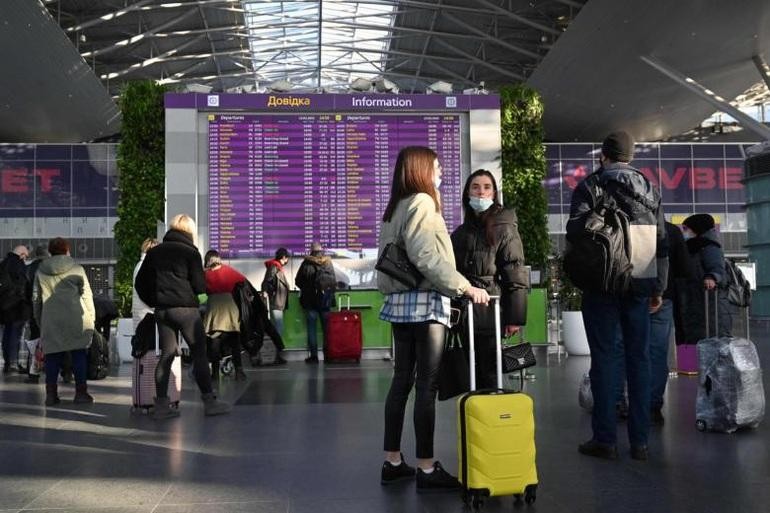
(486, 218)
(413, 173)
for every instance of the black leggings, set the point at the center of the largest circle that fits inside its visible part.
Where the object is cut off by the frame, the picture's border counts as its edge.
(418, 348)
(188, 321)
(219, 342)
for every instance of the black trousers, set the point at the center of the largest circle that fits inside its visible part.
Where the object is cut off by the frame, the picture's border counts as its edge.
(418, 348)
(186, 320)
(220, 342)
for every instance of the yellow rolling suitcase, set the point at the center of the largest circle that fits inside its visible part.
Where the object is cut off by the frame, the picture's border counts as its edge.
(496, 429)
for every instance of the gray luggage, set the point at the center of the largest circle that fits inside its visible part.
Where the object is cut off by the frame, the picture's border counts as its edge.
(730, 392)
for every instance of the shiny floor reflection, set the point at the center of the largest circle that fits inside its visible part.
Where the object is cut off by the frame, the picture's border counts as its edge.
(307, 438)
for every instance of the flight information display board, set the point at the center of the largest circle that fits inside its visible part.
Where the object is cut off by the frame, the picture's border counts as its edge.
(287, 180)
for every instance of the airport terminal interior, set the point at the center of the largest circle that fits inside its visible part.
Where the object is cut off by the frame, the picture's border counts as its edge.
(277, 124)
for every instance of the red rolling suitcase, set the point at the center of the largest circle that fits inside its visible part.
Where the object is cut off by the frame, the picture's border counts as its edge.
(344, 333)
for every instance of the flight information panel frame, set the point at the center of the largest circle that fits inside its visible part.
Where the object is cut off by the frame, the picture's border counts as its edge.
(287, 180)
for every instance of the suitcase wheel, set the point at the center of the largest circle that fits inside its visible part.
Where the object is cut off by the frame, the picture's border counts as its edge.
(700, 425)
(530, 494)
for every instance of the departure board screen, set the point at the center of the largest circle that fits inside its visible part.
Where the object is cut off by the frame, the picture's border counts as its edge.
(287, 180)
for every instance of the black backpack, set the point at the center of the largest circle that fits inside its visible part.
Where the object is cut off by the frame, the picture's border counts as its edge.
(738, 287)
(325, 282)
(98, 357)
(597, 258)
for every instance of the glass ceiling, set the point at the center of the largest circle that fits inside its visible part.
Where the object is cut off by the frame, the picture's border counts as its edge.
(318, 44)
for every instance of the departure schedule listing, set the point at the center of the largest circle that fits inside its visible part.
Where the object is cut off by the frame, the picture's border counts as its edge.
(288, 180)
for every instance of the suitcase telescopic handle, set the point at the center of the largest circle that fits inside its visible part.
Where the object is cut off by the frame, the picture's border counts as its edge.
(716, 313)
(498, 343)
(347, 297)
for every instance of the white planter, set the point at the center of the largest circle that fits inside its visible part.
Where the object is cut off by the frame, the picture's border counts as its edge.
(575, 340)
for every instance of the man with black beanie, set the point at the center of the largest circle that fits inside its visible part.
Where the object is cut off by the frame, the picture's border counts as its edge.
(622, 318)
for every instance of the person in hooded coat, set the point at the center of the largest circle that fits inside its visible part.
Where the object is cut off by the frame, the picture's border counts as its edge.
(708, 268)
(63, 307)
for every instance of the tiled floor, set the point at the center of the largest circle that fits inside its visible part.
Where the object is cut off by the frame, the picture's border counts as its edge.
(308, 439)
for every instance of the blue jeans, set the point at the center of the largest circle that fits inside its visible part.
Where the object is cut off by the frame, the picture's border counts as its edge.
(312, 336)
(54, 361)
(608, 319)
(11, 342)
(278, 320)
(661, 323)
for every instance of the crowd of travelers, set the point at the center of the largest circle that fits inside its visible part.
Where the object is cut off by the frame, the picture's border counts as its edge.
(47, 301)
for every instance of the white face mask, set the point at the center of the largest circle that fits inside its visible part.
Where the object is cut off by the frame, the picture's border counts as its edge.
(436, 181)
(480, 204)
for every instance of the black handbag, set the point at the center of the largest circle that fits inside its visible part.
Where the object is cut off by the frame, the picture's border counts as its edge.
(394, 262)
(518, 357)
(453, 373)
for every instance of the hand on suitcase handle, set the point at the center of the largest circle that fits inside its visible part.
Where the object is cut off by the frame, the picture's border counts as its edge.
(477, 295)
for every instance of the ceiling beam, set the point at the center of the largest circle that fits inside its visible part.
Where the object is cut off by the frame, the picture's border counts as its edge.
(486, 37)
(134, 39)
(708, 95)
(521, 19)
(481, 62)
(107, 17)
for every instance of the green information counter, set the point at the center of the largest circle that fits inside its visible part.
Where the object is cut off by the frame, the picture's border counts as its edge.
(377, 334)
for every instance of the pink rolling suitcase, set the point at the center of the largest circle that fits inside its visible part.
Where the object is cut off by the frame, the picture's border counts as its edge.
(143, 380)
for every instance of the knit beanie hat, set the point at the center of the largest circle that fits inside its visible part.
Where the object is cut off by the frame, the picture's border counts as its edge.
(619, 147)
(699, 223)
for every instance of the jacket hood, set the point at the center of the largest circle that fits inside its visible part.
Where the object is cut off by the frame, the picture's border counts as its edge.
(319, 259)
(177, 236)
(633, 180)
(708, 238)
(273, 263)
(57, 264)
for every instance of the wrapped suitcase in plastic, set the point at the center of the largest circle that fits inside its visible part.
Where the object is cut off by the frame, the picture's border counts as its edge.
(496, 435)
(143, 380)
(344, 333)
(731, 394)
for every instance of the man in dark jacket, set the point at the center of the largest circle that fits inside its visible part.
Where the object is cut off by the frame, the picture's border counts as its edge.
(315, 279)
(16, 307)
(609, 318)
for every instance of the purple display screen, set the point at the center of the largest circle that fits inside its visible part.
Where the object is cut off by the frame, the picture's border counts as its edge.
(289, 180)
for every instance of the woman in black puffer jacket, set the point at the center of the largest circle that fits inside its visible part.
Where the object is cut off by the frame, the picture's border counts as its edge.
(489, 253)
(170, 280)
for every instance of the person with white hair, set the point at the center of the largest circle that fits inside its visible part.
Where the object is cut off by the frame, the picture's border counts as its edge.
(170, 280)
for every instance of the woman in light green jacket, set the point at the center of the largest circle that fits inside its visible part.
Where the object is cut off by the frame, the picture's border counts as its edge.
(420, 316)
(63, 306)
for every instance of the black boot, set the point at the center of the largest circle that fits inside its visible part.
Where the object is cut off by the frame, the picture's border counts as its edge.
(52, 394)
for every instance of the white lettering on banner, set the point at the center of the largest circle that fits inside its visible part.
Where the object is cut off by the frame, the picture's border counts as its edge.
(287, 101)
(382, 102)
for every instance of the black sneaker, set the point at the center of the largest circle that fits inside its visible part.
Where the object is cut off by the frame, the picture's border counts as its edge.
(656, 417)
(311, 359)
(598, 450)
(437, 481)
(393, 473)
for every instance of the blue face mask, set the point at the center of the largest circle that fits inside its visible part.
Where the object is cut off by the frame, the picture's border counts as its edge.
(480, 204)
(687, 234)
